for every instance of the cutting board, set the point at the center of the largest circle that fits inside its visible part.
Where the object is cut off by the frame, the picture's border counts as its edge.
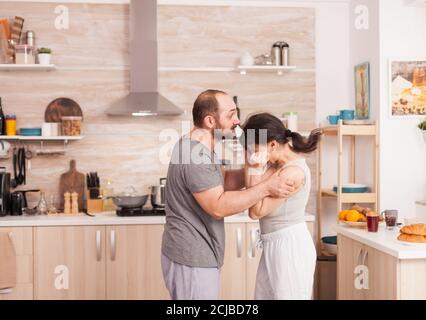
(62, 107)
(72, 181)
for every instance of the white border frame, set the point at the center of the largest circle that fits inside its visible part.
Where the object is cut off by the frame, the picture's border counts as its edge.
(389, 94)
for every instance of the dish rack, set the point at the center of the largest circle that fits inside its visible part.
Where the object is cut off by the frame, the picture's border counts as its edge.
(339, 132)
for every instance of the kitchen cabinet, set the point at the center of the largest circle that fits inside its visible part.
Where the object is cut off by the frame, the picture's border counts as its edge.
(238, 274)
(99, 262)
(349, 257)
(383, 277)
(69, 262)
(253, 257)
(134, 262)
(233, 273)
(22, 239)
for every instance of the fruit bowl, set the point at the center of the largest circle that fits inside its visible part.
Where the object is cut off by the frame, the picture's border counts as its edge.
(352, 224)
(358, 224)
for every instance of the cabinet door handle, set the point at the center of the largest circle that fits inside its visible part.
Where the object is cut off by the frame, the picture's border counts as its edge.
(98, 245)
(112, 243)
(253, 242)
(359, 257)
(239, 242)
(12, 240)
(364, 257)
(6, 291)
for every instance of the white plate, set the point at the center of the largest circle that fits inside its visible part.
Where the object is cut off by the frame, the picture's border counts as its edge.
(412, 244)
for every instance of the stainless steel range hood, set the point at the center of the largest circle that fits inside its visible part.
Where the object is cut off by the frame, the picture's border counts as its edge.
(143, 99)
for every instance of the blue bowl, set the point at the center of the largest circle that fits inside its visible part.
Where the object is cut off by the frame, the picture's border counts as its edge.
(347, 114)
(352, 188)
(30, 131)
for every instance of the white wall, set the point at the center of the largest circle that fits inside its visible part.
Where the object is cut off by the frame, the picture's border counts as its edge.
(364, 47)
(333, 90)
(403, 152)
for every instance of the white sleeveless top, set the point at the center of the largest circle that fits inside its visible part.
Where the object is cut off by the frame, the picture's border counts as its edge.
(292, 211)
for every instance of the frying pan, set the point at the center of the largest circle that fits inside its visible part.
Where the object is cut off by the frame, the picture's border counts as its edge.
(129, 201)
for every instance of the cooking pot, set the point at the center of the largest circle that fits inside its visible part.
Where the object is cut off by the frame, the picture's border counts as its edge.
(158, 194)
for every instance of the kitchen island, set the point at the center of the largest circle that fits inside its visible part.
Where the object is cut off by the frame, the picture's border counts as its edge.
(378, 266)
(112, 257)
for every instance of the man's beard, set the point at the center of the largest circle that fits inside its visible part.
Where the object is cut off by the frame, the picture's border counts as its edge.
(219, 133)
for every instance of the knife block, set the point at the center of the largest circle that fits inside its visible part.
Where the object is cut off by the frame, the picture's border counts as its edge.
(94, 205)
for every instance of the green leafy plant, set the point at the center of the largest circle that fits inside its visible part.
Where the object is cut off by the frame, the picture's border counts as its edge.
(422, 125)
(44, 50)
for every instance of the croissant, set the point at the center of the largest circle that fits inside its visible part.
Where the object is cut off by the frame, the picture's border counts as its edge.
(412, 238)
(415, 229)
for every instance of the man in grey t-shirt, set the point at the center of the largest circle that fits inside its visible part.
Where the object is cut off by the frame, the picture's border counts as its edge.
(199, 196)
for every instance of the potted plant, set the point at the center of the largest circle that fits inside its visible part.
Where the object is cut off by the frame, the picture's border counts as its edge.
(44, 55)
(422, 126)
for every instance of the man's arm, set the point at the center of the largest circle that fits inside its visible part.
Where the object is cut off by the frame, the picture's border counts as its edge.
(234, 179)
(220, 203)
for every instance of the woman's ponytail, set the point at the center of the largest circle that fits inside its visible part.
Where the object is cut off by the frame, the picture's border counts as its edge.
(275, 130)
(305, 145)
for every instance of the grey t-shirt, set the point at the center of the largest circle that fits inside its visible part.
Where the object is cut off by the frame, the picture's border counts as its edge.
(191, 236)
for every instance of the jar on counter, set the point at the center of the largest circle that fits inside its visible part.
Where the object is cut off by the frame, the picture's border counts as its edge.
(71, 126)
(11, 125)
(24, 54)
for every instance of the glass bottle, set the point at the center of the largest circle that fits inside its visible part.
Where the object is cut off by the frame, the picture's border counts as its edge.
(51, 209)
(42, 204)
(2, 121)
(107, 192)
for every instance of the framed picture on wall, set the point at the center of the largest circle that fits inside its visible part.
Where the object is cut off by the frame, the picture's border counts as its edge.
(362, 91)
(407, 88)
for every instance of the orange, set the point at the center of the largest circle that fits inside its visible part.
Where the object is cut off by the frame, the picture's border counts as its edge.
(353, 216)
(342, 214)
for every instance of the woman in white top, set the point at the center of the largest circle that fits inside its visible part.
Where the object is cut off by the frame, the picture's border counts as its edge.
(287, 266)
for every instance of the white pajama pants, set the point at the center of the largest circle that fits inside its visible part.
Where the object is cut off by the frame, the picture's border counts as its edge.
(287, 266)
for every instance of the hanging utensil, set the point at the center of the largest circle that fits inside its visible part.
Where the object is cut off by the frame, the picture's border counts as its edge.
(28, 156)
(13, 182)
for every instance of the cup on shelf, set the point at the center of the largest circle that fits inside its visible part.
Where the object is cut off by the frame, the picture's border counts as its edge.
(51, 129)
(347, 114)
(11, 125)
(246, 59)
(46, 129)
(333, 119)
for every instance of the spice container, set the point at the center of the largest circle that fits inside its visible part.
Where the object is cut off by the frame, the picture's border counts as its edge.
(24, 54)
(30, 36)
(285, 54)
(71, 126)
(11, 125)
(276, 54)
